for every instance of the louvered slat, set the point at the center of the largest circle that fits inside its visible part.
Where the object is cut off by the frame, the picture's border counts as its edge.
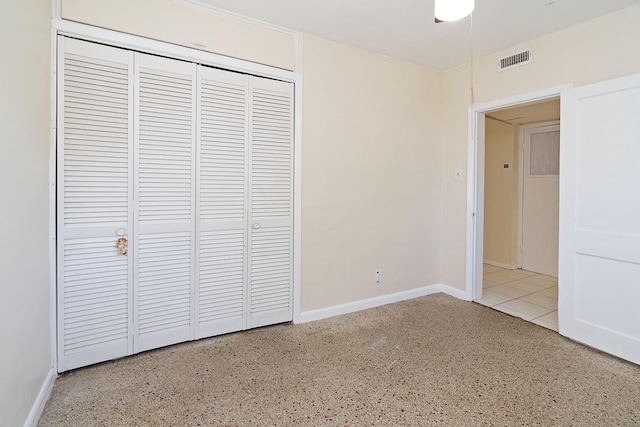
(272, 175)
(95, 294)
(221, 281)
(165, 147)
(271, 248)
(94, 139)
(222, 150)
(270, 270)
(164, 281)
(95, 145)
(166, 112)
(222, 202)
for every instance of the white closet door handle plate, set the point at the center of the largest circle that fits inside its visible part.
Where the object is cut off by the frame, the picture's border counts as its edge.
(256, 225)
(120, 232)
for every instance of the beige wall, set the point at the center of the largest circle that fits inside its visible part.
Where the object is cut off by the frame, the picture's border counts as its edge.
(501, 193)
(370, 175)
(456, 98)
(594, 51)
(25, 112)
(180, 24)
(381, 140)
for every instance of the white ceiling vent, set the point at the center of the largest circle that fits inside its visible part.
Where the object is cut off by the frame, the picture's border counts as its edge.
(515, 60)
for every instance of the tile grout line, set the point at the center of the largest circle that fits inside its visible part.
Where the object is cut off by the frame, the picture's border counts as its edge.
(510, 284)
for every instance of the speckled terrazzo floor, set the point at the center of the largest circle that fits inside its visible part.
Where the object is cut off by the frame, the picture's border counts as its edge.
(430, 361)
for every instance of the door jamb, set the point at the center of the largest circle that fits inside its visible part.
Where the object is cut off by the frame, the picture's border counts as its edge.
(475, 180)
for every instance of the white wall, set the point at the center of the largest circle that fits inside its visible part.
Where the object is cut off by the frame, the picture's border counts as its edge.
(594, 51)
(25, 112)
(370, 175)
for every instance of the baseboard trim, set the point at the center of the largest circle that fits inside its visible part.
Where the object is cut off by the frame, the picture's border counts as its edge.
(41, 400)
(352, 307)
(454, 292)
(501, 265)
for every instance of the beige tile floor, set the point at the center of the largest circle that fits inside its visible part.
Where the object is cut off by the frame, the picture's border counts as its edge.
(521, 293)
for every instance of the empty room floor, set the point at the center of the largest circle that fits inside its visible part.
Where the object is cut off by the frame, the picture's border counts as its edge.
(434, 360)
(521, 293)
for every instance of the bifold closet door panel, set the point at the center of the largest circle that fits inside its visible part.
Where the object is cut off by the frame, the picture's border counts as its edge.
(94, 202)
(222, 200)
(271, 202)
(165, 133)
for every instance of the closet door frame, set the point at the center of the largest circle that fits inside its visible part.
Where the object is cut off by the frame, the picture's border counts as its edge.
(90, 33)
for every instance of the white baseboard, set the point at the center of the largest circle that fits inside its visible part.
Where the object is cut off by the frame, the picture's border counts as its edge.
(41, 400)
(351, 307)
(501, 265)
(454, 292)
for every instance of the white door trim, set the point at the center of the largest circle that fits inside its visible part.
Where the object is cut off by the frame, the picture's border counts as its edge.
(475, 181)
(141, 44)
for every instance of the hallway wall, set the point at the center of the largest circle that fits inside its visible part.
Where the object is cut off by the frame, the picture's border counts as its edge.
(501, 193)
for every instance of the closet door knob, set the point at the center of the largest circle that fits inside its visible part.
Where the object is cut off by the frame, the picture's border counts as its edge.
(256, 225)
(121, 245)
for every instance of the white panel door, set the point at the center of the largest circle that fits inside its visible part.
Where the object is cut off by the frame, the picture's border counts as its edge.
(95, 99)
(222, 201)
(271, 203)
(540, 199)
(165, 133)
(599, 283)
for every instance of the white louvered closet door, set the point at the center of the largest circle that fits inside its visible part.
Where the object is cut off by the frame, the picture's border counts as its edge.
(191, 168)
(95, 98)
(165, 181)
(222, 200)
(271, 202)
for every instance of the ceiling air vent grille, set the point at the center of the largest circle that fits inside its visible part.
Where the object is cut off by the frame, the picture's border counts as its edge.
(515, 60)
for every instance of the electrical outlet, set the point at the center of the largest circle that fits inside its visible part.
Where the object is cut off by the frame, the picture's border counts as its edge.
(378, 276)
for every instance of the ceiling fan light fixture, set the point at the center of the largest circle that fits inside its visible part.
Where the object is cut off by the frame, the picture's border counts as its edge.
(453, 10)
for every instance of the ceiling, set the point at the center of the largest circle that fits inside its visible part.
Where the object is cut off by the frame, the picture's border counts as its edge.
(530, 113)
(405, 29)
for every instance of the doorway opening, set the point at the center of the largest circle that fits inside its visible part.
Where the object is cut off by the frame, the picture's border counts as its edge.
(508, 182)
(521, 193)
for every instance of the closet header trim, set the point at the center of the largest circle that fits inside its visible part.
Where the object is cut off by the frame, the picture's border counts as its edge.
(144, 45)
